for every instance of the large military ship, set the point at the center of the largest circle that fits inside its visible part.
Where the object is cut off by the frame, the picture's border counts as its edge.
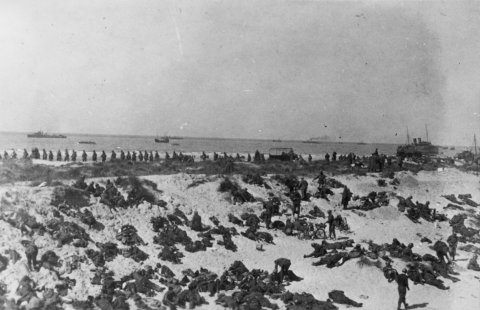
(418, 148)
(41, 134)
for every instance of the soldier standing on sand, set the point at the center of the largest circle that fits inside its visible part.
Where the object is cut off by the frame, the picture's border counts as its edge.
(84, 156)
(402, 281)
(303, 186)
(331, 225)
(94, 156)
(59, 156)
(113, 156)
(74, 155)
(334, 156)
(321, 179)
(296, 201)
(31, 252)
(157, 156)
(441, 248)
(327, 157)
(44, 155)
(134, 156)
(122, 155)
(452, 242)
(50, 156)
(346, 196)
(5, 155)
(67, 156)
(309, 158)
(140, 156)
(129, 156)
(103, 156)
(350, 158)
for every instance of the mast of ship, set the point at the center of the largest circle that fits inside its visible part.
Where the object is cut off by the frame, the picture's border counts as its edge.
(426, 130)
(475, 156)
(408, 137)
(475, 143)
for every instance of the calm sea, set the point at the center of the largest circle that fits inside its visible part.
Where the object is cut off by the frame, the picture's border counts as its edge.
(19, 141)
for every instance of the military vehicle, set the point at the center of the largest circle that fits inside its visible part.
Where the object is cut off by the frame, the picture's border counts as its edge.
(282, 153)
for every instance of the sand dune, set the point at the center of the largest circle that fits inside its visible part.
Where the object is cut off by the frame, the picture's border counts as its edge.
(364, 284)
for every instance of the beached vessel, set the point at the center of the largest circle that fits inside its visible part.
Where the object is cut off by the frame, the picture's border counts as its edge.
(87, 142)
(418, 148)
(41, 134)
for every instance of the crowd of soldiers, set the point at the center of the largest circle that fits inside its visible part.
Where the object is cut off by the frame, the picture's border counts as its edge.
(149, 156)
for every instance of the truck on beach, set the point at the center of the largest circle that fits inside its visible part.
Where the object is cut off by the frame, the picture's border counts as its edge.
(282, 153)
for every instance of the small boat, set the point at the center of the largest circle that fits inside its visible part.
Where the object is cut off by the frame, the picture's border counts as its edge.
(312, 141)
(87, 142)
(174, 143)
(41, 134)
(163, 139)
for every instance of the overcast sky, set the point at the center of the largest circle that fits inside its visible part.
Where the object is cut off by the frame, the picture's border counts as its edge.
(362, 70)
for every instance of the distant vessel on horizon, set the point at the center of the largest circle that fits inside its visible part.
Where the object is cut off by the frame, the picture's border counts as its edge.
(41, 134)
(313, 142)
(318, 140)
(87, 142)
(164, 139)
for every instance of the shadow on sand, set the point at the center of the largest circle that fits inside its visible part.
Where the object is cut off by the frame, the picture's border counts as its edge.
(417, 306)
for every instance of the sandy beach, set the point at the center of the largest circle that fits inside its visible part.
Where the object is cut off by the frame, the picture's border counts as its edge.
(365, 284)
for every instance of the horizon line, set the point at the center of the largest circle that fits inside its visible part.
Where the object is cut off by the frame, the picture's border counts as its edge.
(220, 138)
